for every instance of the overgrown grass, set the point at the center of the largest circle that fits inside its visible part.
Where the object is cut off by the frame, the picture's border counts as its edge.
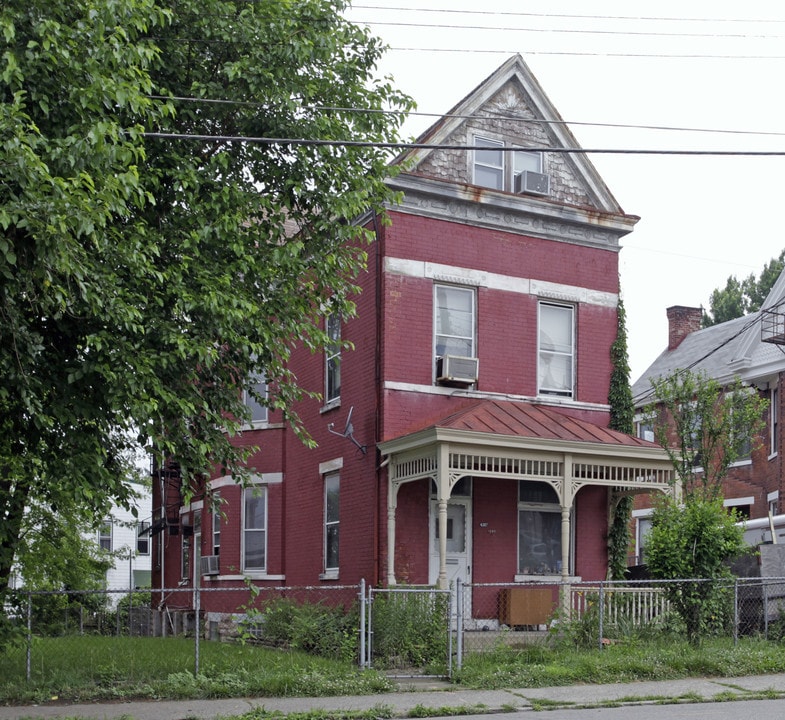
(81, 668)
(667, 659)
(85, 668)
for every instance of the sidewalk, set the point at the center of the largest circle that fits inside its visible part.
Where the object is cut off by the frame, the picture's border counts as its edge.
(424, 694)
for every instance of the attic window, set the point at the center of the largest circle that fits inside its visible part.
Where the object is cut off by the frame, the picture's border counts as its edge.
(495, 168)
(489, 163)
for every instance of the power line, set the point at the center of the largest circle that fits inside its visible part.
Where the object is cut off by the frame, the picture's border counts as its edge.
(301, 142)
(574, 31)
(489, 115)
(501, 13)
(576, 53)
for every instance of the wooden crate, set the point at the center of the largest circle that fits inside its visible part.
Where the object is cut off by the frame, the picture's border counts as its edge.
(526, 606)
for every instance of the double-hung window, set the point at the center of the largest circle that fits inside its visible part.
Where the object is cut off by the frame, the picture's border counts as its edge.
(539, 529)
(556, 355)
(496, 166)
(454, 321)
(143, 537)
(332, 487)
(526, 161)
(185, 558)
(254, 397)
(489, 163)
(105, 535)
(216, 523)
(332, 380)
(255, 528)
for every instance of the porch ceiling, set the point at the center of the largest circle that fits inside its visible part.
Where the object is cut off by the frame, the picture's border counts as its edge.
(522, 441)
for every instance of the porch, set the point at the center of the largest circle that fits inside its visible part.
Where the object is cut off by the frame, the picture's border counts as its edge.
(492, 439)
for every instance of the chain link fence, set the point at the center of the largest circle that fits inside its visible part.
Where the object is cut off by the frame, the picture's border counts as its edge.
(602, 613)
(402, 631)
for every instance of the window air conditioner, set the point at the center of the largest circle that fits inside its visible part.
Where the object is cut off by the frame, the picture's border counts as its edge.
(457, 369)
(533, 183)
(209, 565)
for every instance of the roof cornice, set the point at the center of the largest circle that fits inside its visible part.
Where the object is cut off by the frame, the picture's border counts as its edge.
(481, 207)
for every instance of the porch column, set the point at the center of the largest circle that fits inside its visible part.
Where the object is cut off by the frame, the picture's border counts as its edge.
(442, 496)
(565, 543)
(392, 504)
(565, 501)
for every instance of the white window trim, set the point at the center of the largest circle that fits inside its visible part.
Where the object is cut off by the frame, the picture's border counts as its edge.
(110, 523)
(734, 502)
(553, 507)
(473, 293)
(329, 355)
(509, 153)
(247, 398)
(330, 573)
(216, 517)
(147, 537)
(573, 345)
(254, 571)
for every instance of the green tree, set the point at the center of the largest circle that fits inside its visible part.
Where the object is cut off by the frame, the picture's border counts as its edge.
(740, 298)
(704, 427)
(691, 544)
(154, 258)
(622, 414)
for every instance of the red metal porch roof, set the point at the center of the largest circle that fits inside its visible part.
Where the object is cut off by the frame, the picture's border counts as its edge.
(506, 417)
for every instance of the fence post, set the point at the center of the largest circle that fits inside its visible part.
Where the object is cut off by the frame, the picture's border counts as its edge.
(601, 609)
(369, 645)
(458, 624)
(736, 611)
(765, 610)
(362, 624)
(29, 634)
(197, 609)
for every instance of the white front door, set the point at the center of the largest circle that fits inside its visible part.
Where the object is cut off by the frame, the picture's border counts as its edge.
(458, 541)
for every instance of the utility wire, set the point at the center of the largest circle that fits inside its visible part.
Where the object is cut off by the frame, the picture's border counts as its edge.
(575, 53)
(490, 115)
(440, 146)
(501, 13)
(573, 31)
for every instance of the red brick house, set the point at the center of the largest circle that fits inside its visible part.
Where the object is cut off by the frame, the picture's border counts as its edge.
(751, 348)
(466, 433)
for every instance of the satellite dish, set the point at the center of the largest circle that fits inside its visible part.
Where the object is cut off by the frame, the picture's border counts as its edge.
(348, 430)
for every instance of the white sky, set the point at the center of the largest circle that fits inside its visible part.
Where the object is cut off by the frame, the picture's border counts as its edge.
(702, 218)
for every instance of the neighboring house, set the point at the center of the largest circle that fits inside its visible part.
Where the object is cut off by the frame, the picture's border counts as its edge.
(751, 348)
(128, 539)
(466, 434)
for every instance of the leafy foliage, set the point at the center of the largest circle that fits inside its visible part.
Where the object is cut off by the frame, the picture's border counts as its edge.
(145, 279)
(740, 298)
(311, 627)
(621, 418)
(693, 542)
(411, 629)
(704, 427)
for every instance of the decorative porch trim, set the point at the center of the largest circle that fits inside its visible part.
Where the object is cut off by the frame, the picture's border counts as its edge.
(446, 456)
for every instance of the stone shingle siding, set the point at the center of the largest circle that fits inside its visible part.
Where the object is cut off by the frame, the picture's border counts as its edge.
(497, 124)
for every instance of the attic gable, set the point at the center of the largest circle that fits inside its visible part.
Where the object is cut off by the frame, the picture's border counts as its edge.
(510, 107)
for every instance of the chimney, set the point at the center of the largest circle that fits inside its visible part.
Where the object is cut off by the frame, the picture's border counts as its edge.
(681, 322)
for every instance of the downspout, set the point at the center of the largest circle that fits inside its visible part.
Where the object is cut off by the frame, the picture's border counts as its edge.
(377, 379)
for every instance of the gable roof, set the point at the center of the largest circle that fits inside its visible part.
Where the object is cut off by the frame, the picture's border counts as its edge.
(723, 351)
(515, 71)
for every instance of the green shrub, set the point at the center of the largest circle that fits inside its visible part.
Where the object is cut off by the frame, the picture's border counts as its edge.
(315, 628)
(410, 629)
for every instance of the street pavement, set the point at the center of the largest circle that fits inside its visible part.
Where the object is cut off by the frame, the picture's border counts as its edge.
(427, 694)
